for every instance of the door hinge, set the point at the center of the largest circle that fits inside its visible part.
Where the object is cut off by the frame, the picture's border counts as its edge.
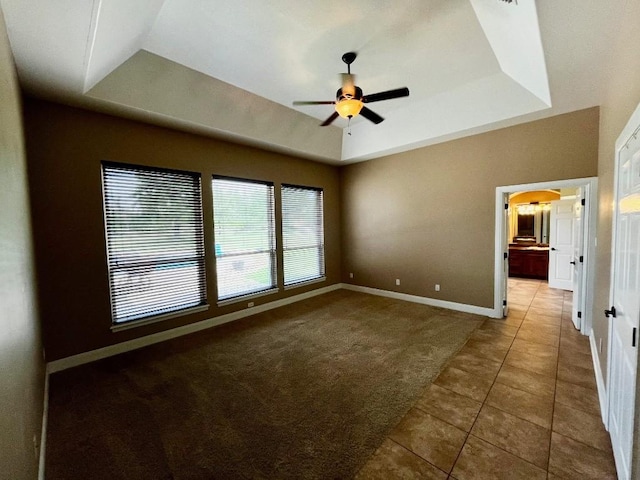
(583, 202)
(579, 314)
(506, 255)
(506, 206)
(504, 303)
(581, 259)
(633, 337)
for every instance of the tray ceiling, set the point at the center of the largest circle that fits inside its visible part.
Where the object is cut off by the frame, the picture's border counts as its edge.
(232, 69)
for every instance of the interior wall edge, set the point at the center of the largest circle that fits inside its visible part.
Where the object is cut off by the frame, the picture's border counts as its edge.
(22, 364)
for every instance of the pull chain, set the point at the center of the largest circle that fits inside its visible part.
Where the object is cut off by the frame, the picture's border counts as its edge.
(349, 126)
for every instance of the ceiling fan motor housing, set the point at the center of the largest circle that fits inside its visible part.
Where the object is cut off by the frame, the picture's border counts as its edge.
(342, 95)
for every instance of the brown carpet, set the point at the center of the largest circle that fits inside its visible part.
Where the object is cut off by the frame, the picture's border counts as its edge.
(304, 391)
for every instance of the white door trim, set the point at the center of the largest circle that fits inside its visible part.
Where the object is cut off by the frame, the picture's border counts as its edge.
(590, 185)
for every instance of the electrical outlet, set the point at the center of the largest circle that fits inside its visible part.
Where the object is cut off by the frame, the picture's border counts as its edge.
(397, 281)
(351, 275)
(250, 304)
(437, 287)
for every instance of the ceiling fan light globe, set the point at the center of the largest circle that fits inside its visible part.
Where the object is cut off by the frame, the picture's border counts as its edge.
(349, 108)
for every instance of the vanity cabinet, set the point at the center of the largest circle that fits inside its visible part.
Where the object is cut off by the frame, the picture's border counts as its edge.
(529, 262)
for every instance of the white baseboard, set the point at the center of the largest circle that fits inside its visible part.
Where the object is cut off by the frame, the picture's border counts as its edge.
(100, 353)
(111, 350)
(602, 389)
(43, 433)
(433, 302)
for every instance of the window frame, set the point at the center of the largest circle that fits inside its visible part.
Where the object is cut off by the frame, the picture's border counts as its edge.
(272, 250)
(199, 256)
(320, 246)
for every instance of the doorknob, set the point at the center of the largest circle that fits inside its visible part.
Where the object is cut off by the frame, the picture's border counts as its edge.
(572, 263)
(553, 248)
(610, 313)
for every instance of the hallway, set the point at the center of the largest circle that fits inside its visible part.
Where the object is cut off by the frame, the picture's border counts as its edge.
(518, 401)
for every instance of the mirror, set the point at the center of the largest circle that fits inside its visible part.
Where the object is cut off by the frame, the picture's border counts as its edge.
(532, 222)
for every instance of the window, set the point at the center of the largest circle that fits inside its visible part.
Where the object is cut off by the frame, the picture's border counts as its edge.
(245, 244)
(302, 234)
(155, 245)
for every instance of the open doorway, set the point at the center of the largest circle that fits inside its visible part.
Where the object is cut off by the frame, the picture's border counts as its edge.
(540, 237)
(544, 235)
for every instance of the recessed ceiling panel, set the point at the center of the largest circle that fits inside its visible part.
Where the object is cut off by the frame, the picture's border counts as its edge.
(233, 69)
(287, 50)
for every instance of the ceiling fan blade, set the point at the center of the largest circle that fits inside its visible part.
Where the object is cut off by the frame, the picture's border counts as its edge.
(388, 95)
(322, 102)
(348, 83)
(371, 115)
(329, 120)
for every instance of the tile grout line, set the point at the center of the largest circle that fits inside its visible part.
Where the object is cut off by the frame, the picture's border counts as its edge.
(503, 363)
(417, 407)
(416, 454)
(484, 402)
(569, 406)
(555, 391)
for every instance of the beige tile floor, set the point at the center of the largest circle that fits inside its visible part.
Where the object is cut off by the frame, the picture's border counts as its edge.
(519, 401)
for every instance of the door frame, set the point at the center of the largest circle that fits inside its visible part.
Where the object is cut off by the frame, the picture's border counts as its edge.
(578, 270)
(590, 185)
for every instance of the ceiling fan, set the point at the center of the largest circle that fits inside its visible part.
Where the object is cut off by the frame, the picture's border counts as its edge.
(350, 101)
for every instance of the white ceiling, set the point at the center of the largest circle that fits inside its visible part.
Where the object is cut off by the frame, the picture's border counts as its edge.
(232, 69)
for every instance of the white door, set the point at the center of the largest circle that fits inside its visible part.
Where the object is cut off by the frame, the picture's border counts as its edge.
(578, 259)
(625, 310)
(561, 244)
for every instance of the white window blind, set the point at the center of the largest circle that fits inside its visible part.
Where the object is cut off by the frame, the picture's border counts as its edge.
(302, 234)
(155, 244)
(245, 244)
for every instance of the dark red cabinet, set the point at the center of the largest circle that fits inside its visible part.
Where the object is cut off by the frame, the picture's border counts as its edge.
(529, 262)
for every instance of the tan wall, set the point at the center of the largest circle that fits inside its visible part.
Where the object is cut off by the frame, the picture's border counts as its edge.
(21, 363)
(622, 96)
(65, 147)
(427, 216)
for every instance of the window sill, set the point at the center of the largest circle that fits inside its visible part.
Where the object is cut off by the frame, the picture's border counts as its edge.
(249, 296)
(306, 282)
(117, 327)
